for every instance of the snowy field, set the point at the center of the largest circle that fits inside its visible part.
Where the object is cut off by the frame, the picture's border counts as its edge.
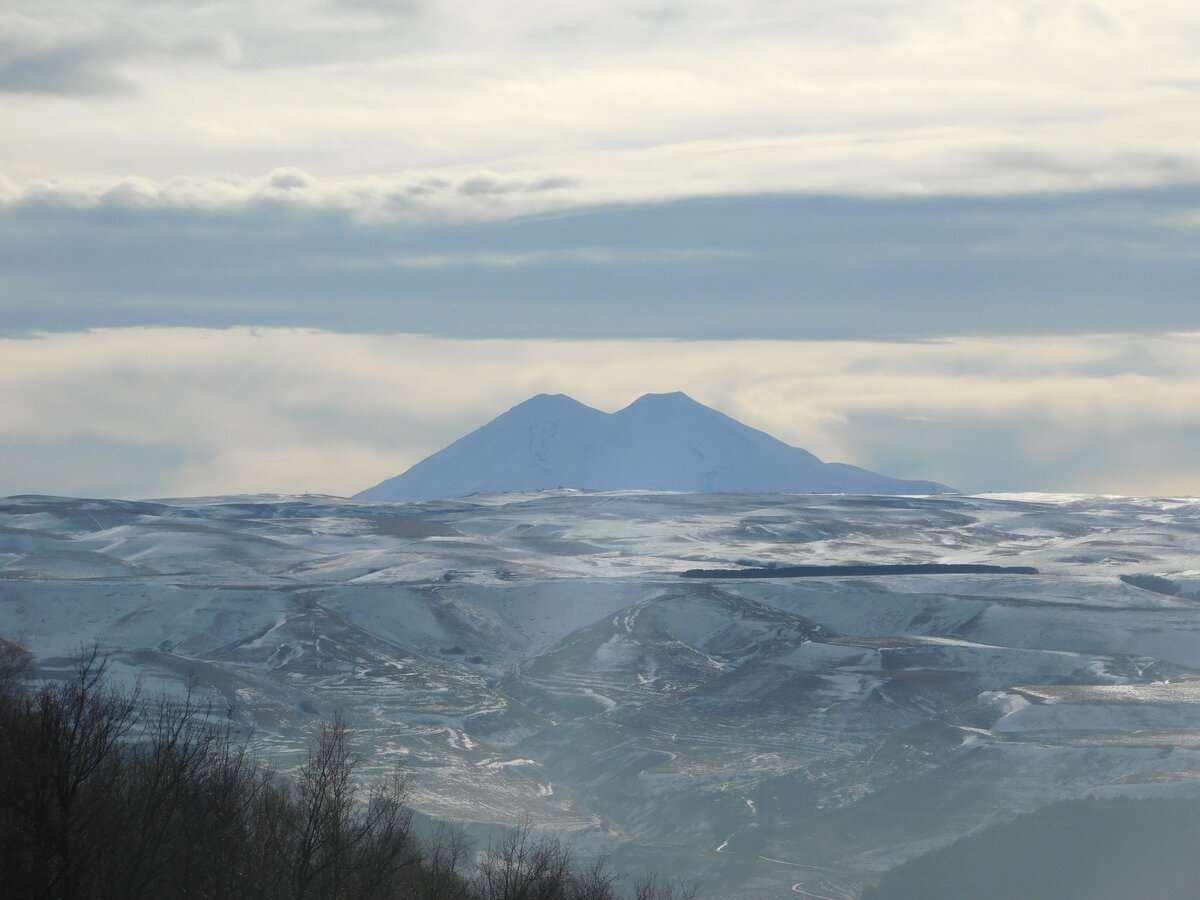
(539, 654)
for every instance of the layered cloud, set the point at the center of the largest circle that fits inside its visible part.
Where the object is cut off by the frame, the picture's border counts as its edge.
(538, 106)
(752, 267)
(877, 174)
(170, 412)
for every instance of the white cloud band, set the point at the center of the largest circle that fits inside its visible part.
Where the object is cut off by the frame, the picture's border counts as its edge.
(452, 109)
(160, 412)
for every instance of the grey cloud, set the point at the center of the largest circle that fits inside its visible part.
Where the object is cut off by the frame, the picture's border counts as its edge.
(75, 67)
(221, 48)
(55, 50)
(1163, 167)
(482, 184)
(764, 266)
(1027, 158)
(486, 184)
(662, 16)
(50, 57)
(427, 186)
(355, 32)
(389, 8)
(553, 183)
(290, 178)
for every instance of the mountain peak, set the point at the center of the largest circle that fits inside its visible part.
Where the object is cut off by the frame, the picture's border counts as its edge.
(674, 398)
(659, 442)
(674, 405)
(550, 402)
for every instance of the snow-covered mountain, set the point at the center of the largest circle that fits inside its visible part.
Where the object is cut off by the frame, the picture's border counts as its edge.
(666, 442)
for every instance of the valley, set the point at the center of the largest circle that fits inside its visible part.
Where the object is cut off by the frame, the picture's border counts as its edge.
(540, 655)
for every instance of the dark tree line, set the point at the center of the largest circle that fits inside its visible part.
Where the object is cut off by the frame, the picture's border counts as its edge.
(104, 796)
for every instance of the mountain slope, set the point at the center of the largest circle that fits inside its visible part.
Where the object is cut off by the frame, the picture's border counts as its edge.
(659, 442)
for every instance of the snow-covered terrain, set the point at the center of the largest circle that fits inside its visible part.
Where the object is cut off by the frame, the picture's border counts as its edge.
(540, 654)
(665, 442)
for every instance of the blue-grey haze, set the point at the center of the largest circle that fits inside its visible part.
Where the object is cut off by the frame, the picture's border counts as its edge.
(778, 266)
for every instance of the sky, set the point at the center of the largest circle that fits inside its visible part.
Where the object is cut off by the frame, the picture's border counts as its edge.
(298, 246)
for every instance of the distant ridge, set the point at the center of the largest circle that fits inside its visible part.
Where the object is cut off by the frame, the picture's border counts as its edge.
(665, 442)
(856, 570)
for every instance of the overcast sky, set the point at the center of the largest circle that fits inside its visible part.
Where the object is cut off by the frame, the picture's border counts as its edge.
(301, 245)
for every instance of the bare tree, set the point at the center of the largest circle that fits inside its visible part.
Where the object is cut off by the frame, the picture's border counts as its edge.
(223, 846)
(593, 883)
(187, 780)
(381, 839)
(99, 801)
(518, 867)
(61, 763)
(648, 887)
(341, 847)
(443, 860)
(16, 665)
(326, 794)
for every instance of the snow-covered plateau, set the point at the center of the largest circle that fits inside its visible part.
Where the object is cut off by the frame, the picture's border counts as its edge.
(539, 654)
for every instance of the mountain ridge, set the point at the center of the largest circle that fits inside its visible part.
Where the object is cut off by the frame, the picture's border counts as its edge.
(663, 441)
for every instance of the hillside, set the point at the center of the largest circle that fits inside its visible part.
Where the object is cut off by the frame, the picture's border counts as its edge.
(541, 655)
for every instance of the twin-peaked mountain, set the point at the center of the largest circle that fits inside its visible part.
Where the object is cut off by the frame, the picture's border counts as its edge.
(665, 442)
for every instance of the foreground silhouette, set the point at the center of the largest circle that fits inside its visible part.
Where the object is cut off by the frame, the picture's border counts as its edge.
(103, 795)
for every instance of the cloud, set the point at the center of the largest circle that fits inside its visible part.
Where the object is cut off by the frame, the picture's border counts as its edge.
(79, 67)
(870, 170)
(158, 412)
(599, 103)
(73, 50)
(290, 178)
(411, 198)
(799, 267)
(389, 8)
(493, 184)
